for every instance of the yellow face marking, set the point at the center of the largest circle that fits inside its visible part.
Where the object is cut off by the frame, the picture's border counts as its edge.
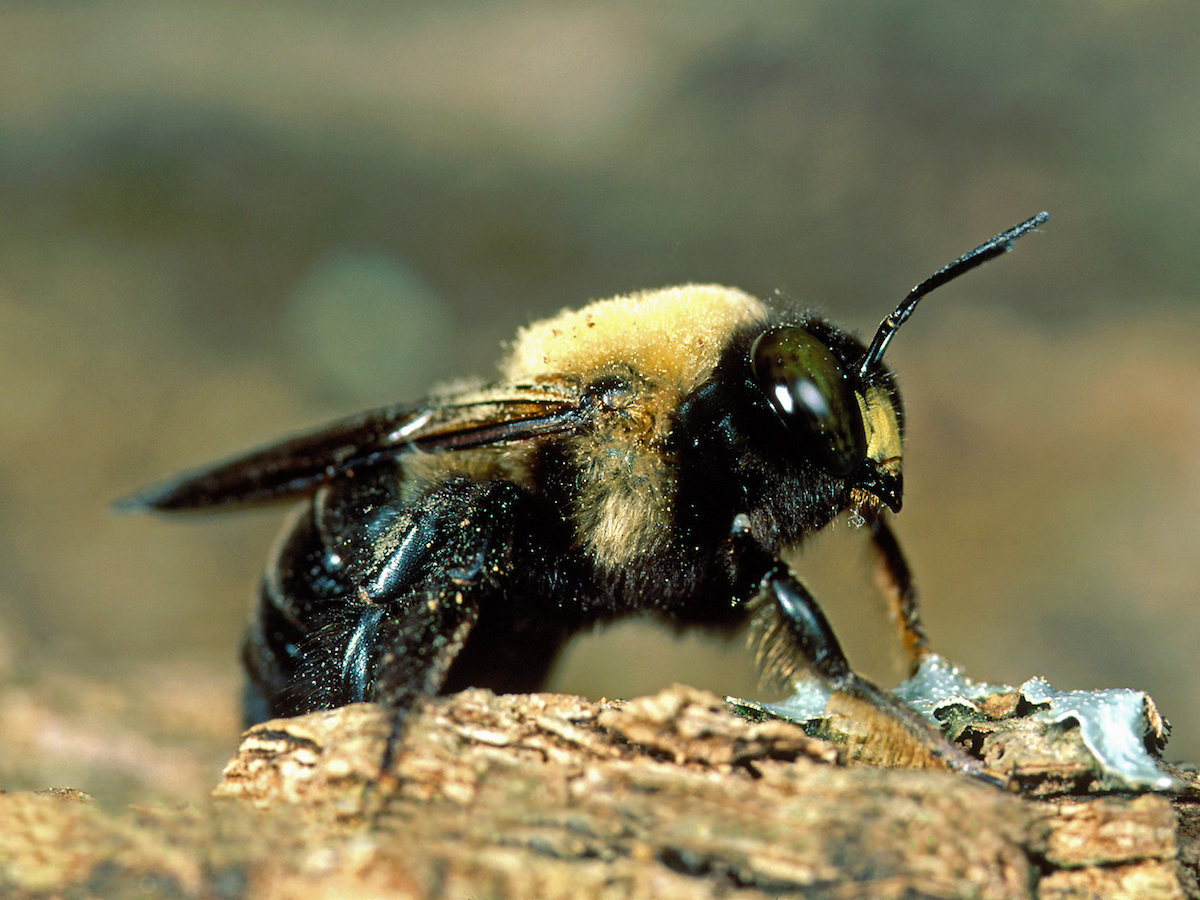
(883, 447)
(883, 429)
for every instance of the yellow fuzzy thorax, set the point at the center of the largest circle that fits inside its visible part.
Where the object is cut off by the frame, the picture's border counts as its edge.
(672, 334)
(671, 339)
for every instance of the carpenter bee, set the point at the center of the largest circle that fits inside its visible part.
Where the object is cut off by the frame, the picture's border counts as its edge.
(653, 453)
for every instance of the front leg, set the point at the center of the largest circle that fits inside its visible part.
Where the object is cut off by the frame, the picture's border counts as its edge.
(795, 631)
(895, 582)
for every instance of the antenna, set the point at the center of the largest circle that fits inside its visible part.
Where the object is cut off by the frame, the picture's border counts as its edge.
(1001, 243)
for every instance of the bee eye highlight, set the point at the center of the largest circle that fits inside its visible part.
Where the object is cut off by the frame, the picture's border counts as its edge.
(807, 387)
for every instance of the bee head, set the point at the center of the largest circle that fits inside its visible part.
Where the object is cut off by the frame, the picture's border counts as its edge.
(848, 426)
(842, 414)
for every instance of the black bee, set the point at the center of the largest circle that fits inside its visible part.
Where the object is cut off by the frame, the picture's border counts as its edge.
(654, 453)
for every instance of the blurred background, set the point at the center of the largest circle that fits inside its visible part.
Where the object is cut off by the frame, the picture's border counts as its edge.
(223, 222)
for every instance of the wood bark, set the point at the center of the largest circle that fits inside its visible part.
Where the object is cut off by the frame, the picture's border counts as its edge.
(548, 795)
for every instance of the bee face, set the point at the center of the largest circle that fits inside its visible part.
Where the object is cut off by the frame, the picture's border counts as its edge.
(845, 427)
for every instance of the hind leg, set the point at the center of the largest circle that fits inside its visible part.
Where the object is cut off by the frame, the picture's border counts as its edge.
(371, 599)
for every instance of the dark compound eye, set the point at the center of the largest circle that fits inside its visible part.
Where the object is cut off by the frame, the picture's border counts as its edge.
(807, 387)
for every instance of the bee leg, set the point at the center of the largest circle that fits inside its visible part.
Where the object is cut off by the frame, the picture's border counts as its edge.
(895, 733)
(458, 563)
(372, 596)
(415, 666)
(895, 582)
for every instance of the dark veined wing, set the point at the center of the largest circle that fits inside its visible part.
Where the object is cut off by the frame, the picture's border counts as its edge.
(298, 465)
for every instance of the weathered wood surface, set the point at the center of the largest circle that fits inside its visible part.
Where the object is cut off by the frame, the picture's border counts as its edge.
(553, 796)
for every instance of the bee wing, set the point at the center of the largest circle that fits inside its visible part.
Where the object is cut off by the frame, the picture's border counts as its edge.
(298, 465)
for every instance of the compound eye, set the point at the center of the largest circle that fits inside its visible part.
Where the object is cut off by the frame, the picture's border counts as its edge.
(807, 388)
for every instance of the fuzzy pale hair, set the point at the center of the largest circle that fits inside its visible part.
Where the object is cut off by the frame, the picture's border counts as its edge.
(672, 334)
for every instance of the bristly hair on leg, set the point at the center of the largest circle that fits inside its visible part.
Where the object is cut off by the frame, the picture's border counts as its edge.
(778, 656)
